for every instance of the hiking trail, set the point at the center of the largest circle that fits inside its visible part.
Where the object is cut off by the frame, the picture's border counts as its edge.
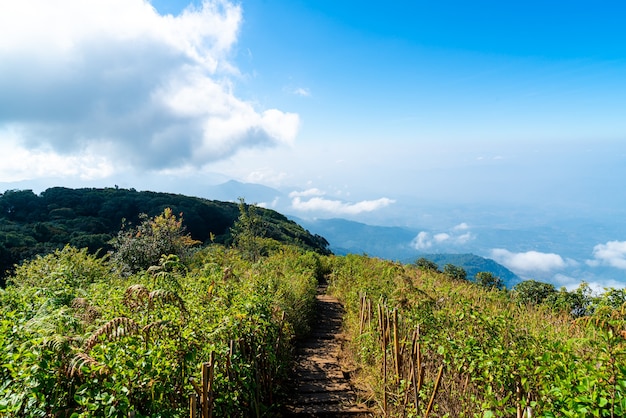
(320, 386)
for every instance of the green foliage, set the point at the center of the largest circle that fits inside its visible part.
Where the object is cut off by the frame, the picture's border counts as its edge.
(426, 264)
(501, 352)
(577, 303)
(473, 264)
(454, 272)
(138, 248)
(248, 231)
(488, 280)
(32, 225)
(78, 340)
(532, 292)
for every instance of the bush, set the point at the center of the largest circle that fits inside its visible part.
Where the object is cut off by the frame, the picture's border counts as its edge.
(138, 248)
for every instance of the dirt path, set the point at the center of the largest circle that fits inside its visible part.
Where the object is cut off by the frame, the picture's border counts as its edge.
(320, 388)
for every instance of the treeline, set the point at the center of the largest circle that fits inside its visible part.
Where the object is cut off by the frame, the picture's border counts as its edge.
(577, 303)
(32, 224)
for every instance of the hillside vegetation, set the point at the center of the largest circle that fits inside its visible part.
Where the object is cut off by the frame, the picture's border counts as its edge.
(33, 224)
(133, 332)
(128, 335)
(477, 351)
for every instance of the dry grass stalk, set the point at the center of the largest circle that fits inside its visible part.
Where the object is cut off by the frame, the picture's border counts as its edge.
(431, 403)
(396, 345)
(206, 397)
(382, 322)
(192, 406)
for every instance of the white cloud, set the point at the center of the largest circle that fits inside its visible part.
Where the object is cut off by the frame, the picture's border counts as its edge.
(306, 193)
(338, 207)
(613, 254)
(269, 205)
(422, 241)
(464, 238)
(18, 164)
(425, 240)
(529, 261)
(597, 285)
(461, 227)
(142, 89)
(301, 91)
(267, 176)
(441, 237)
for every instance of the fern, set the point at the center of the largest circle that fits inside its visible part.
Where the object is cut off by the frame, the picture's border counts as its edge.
(136, 296)
(113, 330)
(81, 360)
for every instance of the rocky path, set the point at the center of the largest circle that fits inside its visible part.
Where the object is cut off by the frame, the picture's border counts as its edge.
(320, 388)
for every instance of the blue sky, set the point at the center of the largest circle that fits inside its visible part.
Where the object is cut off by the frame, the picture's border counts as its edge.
(356, 109)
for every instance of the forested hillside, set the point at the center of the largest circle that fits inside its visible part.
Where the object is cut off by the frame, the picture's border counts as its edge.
(32, 224)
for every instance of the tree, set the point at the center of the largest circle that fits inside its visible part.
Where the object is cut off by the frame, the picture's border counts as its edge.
(426, 265)
(531, 292)
(614, 298)
(489, 280)
(577, 303)
(455, 272)
(248, 231)
(138, 248)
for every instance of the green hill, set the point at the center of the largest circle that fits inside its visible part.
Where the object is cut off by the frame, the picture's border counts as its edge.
(32, 224)
(473, 264)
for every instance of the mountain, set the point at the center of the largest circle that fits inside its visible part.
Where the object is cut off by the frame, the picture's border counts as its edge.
(473, 264)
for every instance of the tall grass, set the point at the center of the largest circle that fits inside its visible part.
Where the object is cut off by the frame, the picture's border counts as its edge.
(488, 355)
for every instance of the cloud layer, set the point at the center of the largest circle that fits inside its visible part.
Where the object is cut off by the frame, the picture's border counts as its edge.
(145, 90)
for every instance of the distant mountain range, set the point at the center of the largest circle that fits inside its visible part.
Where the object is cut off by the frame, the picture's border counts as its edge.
(394, 243)
(346, 236)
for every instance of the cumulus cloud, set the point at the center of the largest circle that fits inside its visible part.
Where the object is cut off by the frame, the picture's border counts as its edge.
(613, 254)
(529, 261)
(338, 207)
(456, 236)
(114, 76)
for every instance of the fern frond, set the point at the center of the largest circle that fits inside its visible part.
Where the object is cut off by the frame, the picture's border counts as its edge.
(161, 328)
(112, 330)
(56, 343)
(167, 296)
(81, 360)
(79, 303)
(136, 296)
(85, 311)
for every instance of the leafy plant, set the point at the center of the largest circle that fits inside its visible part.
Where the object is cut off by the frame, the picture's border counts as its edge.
(138, 248)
